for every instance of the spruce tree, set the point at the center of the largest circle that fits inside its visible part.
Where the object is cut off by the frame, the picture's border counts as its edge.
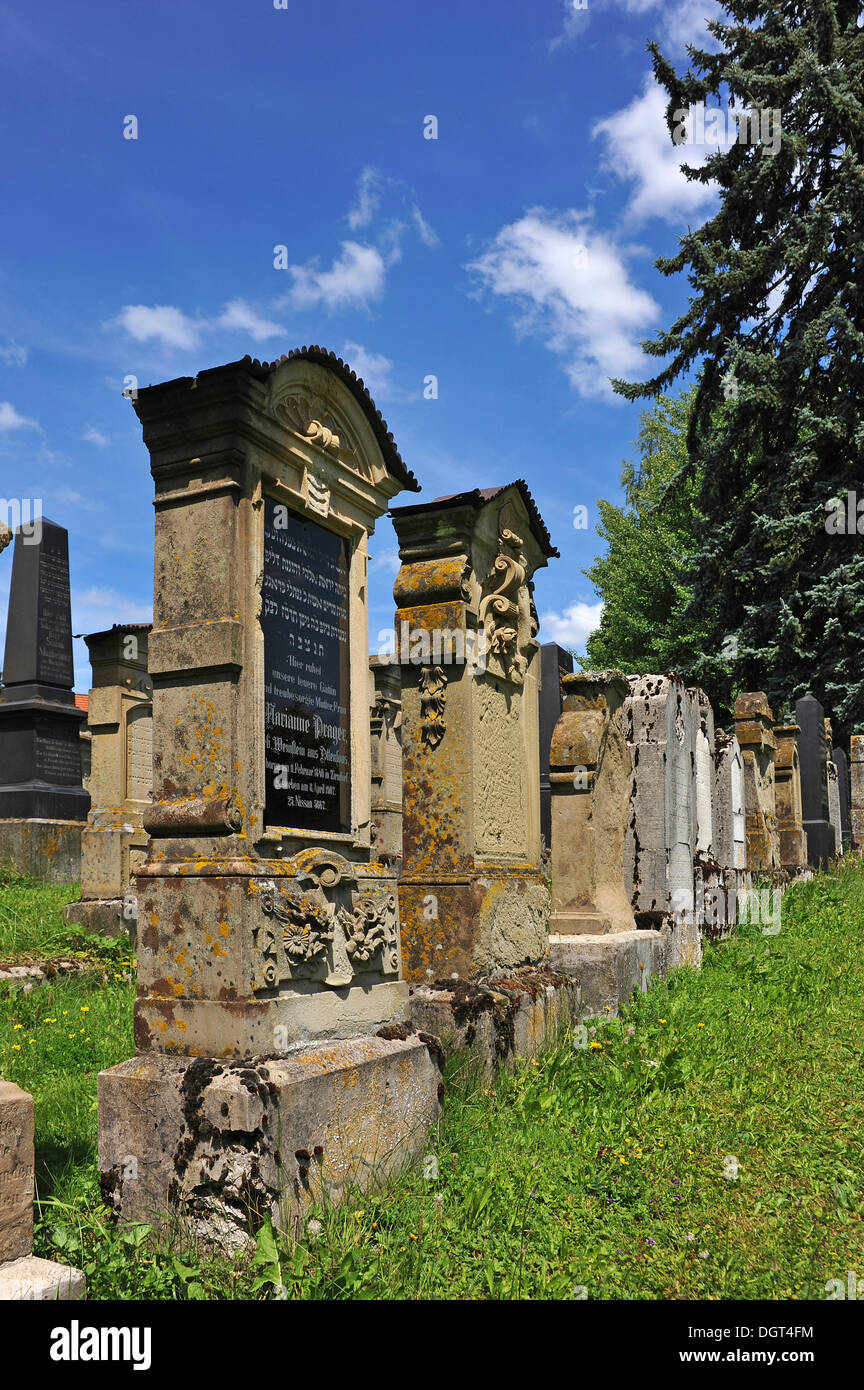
(775, 330)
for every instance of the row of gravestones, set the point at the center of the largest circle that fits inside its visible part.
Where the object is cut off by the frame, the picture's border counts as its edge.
(292, 965)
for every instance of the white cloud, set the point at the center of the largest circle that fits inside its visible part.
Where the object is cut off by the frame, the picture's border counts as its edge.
(13, 354)
(573, 290)
(356, 276)
(387, 560)
(638, 146)
(72, 498)
(94, 436)
(674, 23)
(573, 627)
(168, 325)
(373, 367)
(237, 314)
(428, 236)
(11, 420)
(95, 609)
(370, 187)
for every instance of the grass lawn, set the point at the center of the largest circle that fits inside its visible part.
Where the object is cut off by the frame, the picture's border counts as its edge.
(705, 1145)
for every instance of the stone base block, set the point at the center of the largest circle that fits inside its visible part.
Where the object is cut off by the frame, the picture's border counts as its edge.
(607, 969)
(262, 1027)
(793, 848)
(856, 817)
(48, 849)
(821, 843)
(41, 1280)
(474, 927)
(16, 1171)
(497, 1018)
(103, 915)
(223, 1144)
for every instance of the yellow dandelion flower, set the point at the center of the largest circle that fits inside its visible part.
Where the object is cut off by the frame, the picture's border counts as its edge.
(16, 1047)
(17, 1026)
(662, 1020)
(700, 1025)
(71, 1035)
(412, 1236)
(596, 1044)
(85, 1009)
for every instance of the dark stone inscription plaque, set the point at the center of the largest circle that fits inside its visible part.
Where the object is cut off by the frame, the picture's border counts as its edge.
(304, 618)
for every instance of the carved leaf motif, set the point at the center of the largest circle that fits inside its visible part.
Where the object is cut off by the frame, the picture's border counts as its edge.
(307, 924)
(433, 697)
(369, 927)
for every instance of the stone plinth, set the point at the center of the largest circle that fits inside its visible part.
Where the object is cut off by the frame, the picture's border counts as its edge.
(787, 798)
(114, 843)
(555, 663)
(386, 731)
(589, 773)
(813, 758)
(40, 745)
(229, 1144)
(472, 892)
(754, 730)
(856, 790)
(607, 970)
(16, 1172)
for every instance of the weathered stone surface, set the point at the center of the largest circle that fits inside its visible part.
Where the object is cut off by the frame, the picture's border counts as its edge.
(856, 780)
(114, 843)
(386, 731)
(841, 763)
(607, 969)
(731, 840)
(226, 1144)
(834, 815)
(787, 797)
(499, 1018)
(47, 849)
(555, 663)
(813, 757)
(589, 773)
(754, 730)
(472, 893)
(16, 1171)
(30, 1278)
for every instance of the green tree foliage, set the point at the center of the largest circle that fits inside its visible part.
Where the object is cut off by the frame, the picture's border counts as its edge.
(776, 312)
(645, 576)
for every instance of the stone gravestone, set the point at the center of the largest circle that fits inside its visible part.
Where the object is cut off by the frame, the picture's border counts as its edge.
(814, 781)
(660, 841)
(386, 731)
(754, 730)
(42, 800)
(555, 663)
(590, 777)
(22, 1275)
(473, 894)
(787, 796)
(273, 1068)
(840, 761)
(120, 716)
(856, 790)
(834, 813)
(731, 849)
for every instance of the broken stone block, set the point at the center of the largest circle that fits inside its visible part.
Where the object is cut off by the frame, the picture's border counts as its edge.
(16, 1171)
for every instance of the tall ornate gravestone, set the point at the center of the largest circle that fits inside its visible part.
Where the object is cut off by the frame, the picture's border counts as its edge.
(590, 777)
(787, 797)
(754, 730)
(812, 753)
(268, 939)
(834, 813)
(856, 790)
(838, 757)
(42, 800)
(731, 847)
(555, 663)
(472, 892)
(120, 716)
(386, 730)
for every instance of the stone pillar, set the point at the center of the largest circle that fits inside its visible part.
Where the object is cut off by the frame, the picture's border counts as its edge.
(754, 729)
(22, 1276)
(787, 799)
(555, 663)
(833, 790)
(386, 731)
(42, 801)
(814, 781)
(589, 773)
(856, 790)
(841, 763)
(473, 894)
(268, 929)
(114, 845)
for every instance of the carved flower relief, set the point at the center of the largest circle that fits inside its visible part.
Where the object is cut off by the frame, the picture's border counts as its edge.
(506, 609)
(303, 933)
(310, 417)
(433, 698)
(369, 928)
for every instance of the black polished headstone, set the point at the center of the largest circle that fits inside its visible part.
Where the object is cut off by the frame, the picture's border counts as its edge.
(812, 756)
(555, 662)
(842, 765)
(40, 746)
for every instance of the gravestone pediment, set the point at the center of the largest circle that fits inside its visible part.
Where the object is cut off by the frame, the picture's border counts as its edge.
(320, 412)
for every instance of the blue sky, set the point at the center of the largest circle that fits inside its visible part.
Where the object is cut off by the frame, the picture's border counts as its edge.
(511, 257)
